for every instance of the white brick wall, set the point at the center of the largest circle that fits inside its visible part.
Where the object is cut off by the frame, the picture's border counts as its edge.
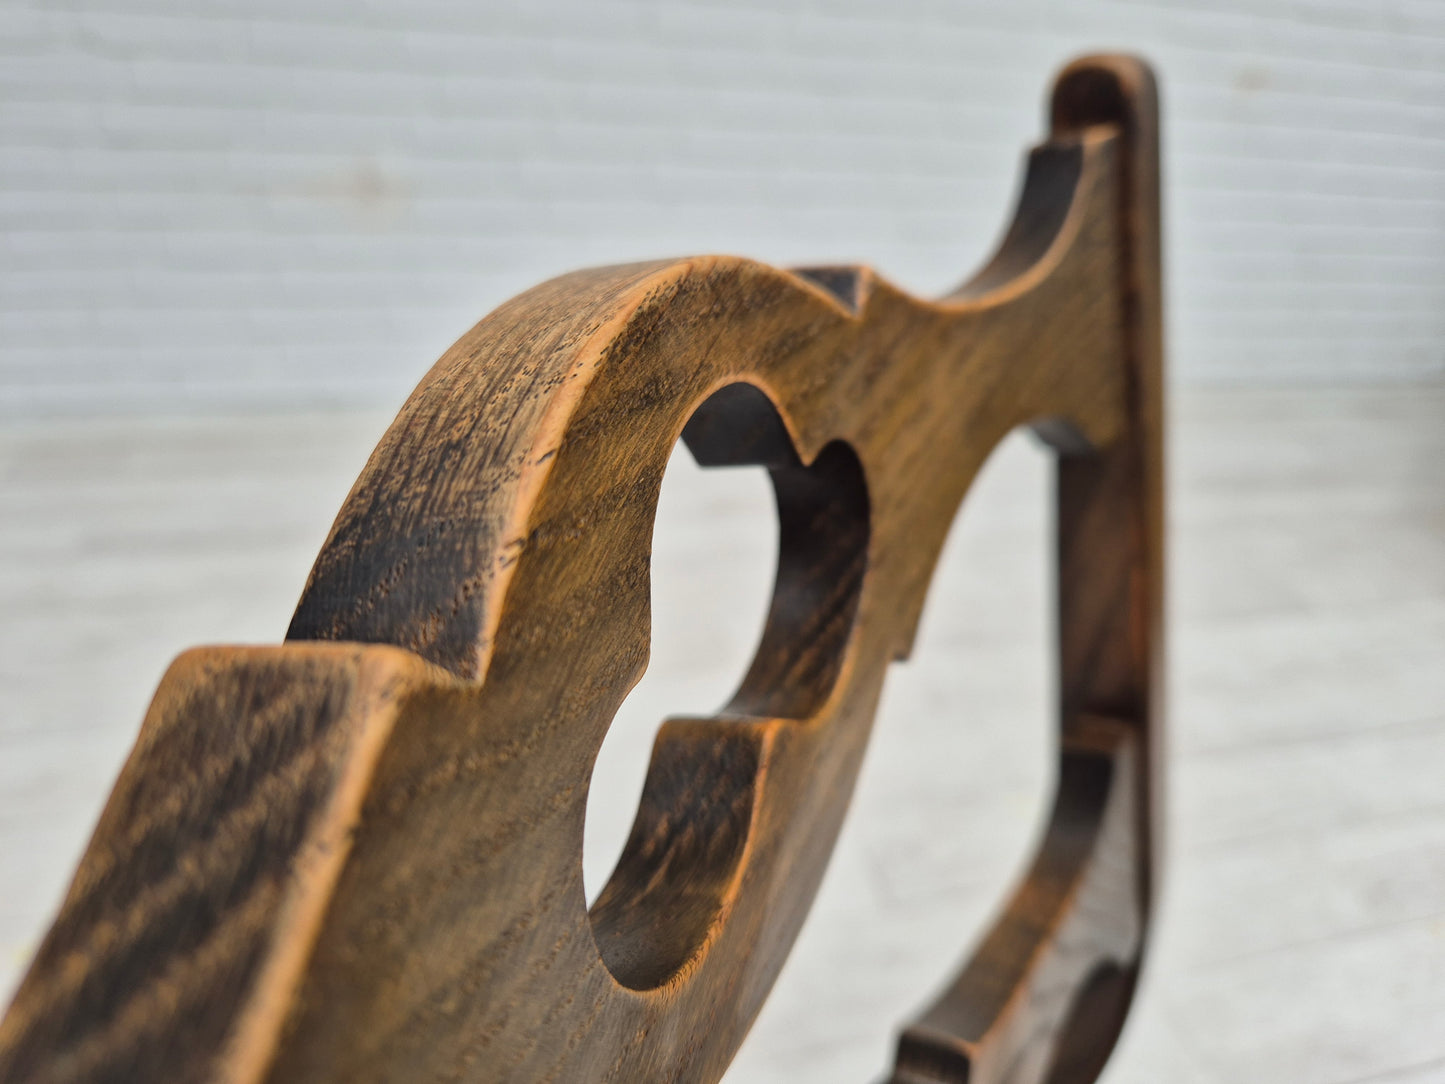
(242, 202)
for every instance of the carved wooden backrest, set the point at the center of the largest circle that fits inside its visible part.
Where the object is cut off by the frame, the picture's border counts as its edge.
(356, 856)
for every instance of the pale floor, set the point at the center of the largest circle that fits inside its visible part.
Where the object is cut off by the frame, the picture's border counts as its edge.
(1302, 932)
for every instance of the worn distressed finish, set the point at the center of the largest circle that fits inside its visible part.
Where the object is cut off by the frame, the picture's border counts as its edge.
(357, 856)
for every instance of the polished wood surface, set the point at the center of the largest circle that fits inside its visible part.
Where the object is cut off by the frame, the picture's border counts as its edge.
(356, 856)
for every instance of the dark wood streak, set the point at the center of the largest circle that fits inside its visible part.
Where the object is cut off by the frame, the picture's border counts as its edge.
(356, 856)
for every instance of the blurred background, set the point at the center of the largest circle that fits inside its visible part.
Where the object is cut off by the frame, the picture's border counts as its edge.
(234, 235)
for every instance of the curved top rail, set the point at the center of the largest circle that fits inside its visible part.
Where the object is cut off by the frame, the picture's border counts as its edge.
(422, 552)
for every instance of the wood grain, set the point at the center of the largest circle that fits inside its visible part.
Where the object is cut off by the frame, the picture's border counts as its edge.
(357, 856)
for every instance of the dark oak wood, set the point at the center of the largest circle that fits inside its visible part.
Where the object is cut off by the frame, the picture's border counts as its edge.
(356, 856)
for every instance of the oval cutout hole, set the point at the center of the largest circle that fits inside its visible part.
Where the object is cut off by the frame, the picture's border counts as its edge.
(714, 556)
(951, 798)
(694, 814)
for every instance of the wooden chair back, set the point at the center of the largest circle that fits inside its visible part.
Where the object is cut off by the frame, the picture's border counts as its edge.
(356, 856)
